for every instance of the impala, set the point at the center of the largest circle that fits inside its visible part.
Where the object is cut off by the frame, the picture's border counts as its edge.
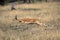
(29, 20)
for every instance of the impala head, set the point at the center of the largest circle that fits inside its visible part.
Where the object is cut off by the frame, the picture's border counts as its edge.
(16, 18)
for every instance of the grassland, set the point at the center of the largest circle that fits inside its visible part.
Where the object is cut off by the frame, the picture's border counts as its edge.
(48, 13)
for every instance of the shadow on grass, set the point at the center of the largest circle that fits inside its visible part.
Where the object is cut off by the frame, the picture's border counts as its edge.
(29, 9)
(23, 27)
(23, 9)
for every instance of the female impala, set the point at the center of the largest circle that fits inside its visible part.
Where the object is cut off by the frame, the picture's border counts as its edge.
(29, 20)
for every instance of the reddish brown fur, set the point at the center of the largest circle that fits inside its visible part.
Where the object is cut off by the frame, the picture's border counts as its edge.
(31, 20)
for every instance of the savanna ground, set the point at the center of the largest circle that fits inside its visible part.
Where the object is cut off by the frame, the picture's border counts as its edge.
(48, 13)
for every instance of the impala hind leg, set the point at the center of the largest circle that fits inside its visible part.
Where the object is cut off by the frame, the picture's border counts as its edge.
(41, 24)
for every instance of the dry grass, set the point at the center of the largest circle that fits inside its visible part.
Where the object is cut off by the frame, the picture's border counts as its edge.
(48, 13)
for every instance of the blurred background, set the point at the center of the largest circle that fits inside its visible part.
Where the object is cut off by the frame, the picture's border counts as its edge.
(3, 2)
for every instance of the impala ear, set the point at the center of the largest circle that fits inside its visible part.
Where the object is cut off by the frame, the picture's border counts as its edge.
(16, 17)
